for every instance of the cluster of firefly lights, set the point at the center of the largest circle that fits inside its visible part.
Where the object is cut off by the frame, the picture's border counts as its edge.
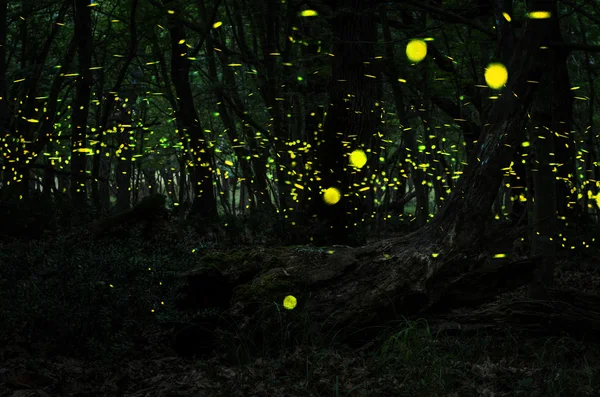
(495, 75)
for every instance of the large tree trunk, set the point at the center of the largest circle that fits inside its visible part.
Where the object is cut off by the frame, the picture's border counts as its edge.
(352, 119)
(551, 117)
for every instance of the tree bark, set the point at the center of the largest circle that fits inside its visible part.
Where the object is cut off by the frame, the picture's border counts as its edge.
(191, 132)
(352, 117)
(410, 152)
(81, 103)
(564, 312)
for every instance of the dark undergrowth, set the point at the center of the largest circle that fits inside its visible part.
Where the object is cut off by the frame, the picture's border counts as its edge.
(86, 318)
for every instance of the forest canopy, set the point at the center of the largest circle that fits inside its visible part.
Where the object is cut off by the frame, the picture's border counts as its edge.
(340, 119)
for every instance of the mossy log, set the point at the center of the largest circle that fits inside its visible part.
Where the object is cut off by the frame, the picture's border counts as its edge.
(347, 291)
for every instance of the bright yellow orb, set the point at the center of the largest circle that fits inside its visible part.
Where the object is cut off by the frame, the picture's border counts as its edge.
(332, 196)
(496, 75)
(289, 302)
(358, 158)
(416, 50)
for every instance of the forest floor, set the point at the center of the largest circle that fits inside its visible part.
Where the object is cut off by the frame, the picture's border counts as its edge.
(63, 334)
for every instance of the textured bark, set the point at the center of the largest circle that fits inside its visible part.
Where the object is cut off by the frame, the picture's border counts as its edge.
(342, 289)
(570, 312)
(551, 119)
(461, 222)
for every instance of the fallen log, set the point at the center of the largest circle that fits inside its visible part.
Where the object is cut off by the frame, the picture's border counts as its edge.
(571, 313)
(346, 289)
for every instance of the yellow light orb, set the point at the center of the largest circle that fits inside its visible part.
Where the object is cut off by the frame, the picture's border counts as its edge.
(332, 196)
(358, 158)
(289, 302)
(496, 75)
(416, 50)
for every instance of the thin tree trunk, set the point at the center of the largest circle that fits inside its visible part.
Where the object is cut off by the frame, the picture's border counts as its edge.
(81, 104)
(191, 131)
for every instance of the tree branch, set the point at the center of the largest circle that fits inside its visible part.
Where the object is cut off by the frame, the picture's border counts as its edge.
(450, 17)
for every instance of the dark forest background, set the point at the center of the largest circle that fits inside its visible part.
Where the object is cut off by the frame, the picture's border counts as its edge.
(172, 170)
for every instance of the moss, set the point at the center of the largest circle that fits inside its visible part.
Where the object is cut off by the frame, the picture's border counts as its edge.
(268, 288)
(244, 292)
(272, 282)
(224, 260)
